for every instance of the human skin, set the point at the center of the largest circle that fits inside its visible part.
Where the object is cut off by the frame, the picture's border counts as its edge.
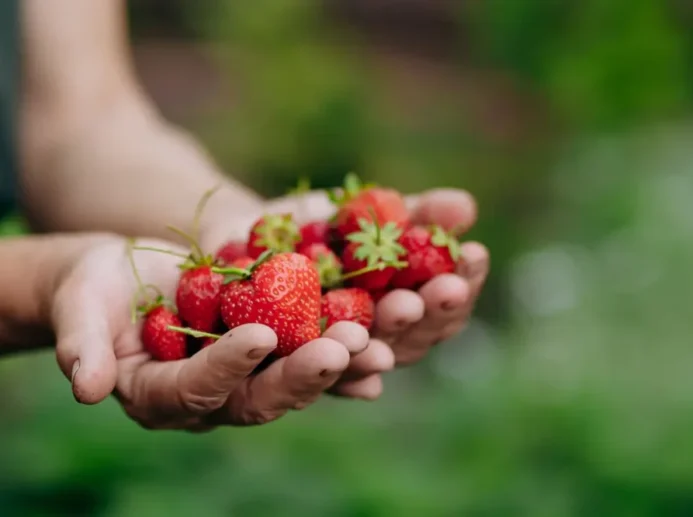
(96, 156)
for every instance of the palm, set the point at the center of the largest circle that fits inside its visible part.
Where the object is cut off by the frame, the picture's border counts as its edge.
(93, 320)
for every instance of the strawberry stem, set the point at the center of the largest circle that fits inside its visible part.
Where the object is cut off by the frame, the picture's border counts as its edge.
(159, 250)
(368, 269)
(141, 288)
(243, 273)
(193, 242)
(199, 210)
(193, 332)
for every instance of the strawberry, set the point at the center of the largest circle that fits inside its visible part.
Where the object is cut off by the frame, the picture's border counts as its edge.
(272, 232)
(373, 247)
(315, 232)
(162, 343)
(350, 304)
(430, 252)
(198, 297)
(282, 292)
(242, 262)
(327, 263)
(370, 203)
(229, 252)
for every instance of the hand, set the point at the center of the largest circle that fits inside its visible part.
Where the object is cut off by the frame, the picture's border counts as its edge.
(99, 349)
(408, 323)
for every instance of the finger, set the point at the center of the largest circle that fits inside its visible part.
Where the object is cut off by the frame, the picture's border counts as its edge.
(201, 384)
(369, 388)
(84, 346)
(397, 311)
(476, 264)
(207, 379)
(377, 358)
(292, 382)
(450, 208)
(352, 335)
(444, 298)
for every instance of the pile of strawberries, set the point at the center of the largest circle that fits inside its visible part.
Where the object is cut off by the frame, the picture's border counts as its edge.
(299, 280)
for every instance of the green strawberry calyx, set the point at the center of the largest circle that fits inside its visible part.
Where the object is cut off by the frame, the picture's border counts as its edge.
(329, 269)
(232, 274)
(351, 188)
(442, 239)
(278, 232)
(376, 244)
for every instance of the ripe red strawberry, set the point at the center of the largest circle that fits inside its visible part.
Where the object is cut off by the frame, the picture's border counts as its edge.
(370, 203)
(283, 293)
(430, 252)
(369, 247)
(350, 304)
(229, 252)
(277, 232)
(198, 297)
(163, 344)
(315, 232)
(327, 263)
(242, 262)
(208, 341)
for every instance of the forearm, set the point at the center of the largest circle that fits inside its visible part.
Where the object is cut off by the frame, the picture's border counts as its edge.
(30, 268)
(95, 155)
(126, 171)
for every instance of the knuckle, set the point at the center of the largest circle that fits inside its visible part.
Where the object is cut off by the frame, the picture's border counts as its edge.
(194, 403)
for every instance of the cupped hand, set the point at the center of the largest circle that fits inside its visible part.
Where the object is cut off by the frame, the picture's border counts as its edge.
(99, 350)
(408, 323)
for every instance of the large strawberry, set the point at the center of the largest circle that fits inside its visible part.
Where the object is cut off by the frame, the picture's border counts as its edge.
(357, 202)
(327, 263)
(350, 304)
(430, 252)
(275, 232)
(229, 252)
(373, 248)
(282, 292)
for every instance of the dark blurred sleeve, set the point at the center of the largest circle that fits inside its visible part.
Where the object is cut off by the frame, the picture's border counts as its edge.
(9, 81)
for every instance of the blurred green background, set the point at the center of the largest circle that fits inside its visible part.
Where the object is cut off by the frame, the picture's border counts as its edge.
(570, 394)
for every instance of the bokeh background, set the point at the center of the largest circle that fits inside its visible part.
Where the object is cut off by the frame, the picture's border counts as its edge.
(570, 394)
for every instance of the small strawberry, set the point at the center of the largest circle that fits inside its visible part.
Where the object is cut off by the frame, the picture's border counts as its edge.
(162, 343)
(373, 247)
(350, 304)
(430, 252)
(316, 232)
(327, 263)
(276, 232)
(158, 340)
(371, 203)
(282, 292)
(198, 297)
(241, 262)
(229, 252)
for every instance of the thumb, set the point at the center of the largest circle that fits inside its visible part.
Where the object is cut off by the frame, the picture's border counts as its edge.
(85, 347)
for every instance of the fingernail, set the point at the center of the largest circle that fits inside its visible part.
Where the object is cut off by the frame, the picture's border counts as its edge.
(75, 369)
(447, 305)
(258, 353)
